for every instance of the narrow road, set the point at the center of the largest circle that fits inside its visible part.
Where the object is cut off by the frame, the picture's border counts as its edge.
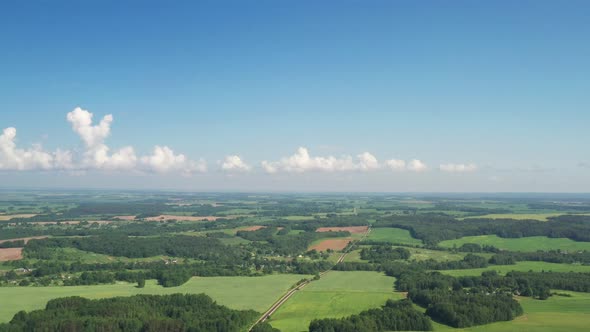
(290, 293)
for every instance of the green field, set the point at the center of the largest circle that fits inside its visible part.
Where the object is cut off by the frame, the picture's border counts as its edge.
(521, 266)
(523, 216)
(354, 256)
(557, 314)
(257, 293)
(420, 254)
(393, 235)
(532, 243)
(519, 216)
(337, 294)
(86, 257)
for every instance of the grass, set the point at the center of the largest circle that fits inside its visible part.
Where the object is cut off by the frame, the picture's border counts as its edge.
(257, 293)
(420, 254)
(556, 314)
(297, 218)
(523, 216)
(519, 216)
(86, 257)
(532, 243)
(521, 266)
(337, 294)
(354, 256)
(393, 235)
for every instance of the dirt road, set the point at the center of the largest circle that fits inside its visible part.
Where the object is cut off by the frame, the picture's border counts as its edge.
(290, 293)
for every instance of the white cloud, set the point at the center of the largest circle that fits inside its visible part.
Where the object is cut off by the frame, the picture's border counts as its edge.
(92, 136)
(234, 163)
(124, 159)
(13, 158)
(368, 162)
(396, 164)
(163, 160)
(458, 168)
(96, 154)
(417, 166)
(301, 162)
(64, 160)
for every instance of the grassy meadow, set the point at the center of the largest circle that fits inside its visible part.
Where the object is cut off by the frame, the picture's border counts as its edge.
(525, 244)
(257, 293)
(556, 314)
(522, 267)
(337, 294)
(393, 235)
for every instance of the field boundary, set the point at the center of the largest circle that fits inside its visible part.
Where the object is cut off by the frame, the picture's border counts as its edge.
(298, 287)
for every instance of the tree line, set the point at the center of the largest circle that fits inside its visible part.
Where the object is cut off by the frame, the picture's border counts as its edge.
(393, 316)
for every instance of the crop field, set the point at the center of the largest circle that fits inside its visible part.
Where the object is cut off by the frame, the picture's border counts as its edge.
(532, 243)
(558, 313)
(337, 294)
(393, 235)
(5, 217)
(523, 267)
(257, 293)
(11, 254)
(334, 244)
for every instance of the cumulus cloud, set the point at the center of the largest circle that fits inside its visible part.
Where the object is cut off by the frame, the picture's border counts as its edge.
(302, 161)
(163, 159)
(458, 168)
(234, 163)
(13, 158)
(396, 164)
(92, 136)
(416, 165)
(368, 162)
(96, 155)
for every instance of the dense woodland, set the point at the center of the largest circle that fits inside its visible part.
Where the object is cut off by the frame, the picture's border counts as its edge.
(136, 313)
(393, 316)
(433, 228)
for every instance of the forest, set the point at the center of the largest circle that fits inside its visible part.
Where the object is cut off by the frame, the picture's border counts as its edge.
(175, 312)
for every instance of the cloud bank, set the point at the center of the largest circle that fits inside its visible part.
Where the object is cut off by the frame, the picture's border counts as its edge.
(301, 161)
(458, 168)
(96, 155)
(234, 163)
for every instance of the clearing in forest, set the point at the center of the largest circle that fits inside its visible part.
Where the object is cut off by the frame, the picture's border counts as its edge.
(334, 244)
(337, 294)
(11, 254)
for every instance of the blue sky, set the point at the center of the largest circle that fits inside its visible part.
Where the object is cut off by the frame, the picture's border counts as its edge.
(490, 96)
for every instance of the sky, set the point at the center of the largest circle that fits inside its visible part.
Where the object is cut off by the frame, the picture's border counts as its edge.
(385, 96)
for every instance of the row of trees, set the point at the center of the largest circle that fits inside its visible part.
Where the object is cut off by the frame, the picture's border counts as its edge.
(393, 316)
(384, 253)
(552, 256)
(203, 248)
